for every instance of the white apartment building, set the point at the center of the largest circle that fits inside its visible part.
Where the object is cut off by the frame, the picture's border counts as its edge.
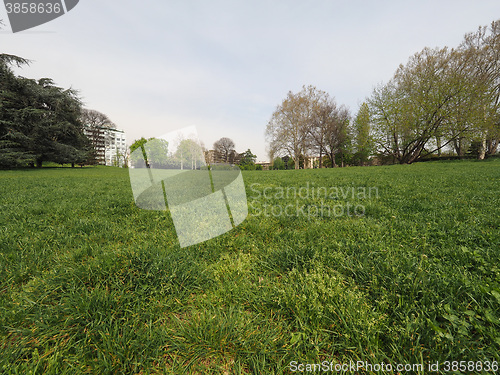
(109, 144)
(115, 148)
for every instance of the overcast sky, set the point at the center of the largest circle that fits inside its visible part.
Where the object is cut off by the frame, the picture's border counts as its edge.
(155, 66)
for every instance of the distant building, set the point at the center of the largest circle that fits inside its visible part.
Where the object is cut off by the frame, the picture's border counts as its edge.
(96, 136)
(266, 165)
(109, 145)
(311, 162)
(235, 158)
(116, 148)
(214, 157)
(307, 162)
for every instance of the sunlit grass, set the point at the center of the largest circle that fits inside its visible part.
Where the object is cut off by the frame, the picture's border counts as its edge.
(89, 283)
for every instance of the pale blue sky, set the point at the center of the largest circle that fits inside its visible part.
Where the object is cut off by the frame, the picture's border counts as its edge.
(155, 66)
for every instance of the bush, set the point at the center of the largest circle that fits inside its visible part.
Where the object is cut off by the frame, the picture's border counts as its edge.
(278, 163)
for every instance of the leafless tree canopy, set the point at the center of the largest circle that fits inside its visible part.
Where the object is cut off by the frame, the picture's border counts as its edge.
(330, 130)
(307, 123)
(224, 146)
(96, 119)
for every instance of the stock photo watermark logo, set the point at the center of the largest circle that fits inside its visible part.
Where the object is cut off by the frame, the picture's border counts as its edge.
(24, 15)
(310, 201)
(204, 201)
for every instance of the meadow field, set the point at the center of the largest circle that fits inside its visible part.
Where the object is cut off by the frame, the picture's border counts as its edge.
(393, 264)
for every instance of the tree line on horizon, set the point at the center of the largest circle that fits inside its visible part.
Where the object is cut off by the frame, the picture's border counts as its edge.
(442, 99)
(187, 154)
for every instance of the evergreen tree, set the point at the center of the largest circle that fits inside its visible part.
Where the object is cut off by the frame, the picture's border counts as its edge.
(38, 120)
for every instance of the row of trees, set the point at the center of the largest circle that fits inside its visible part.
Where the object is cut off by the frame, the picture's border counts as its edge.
(185, 154)
(441, 100)
(156, 152)
(42, 122)
(310, 122)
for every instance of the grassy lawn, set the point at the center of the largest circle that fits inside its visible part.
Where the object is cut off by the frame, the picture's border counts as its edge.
(89, 283)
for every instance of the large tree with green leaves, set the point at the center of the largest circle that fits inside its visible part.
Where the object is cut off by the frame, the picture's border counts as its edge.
(247, 160)
(55, 131)
(39, 121)
(362, 138)
(12, 153)
(481, 52)
(278, 163)
(136, 158)
(442, 97)
(417, 106)
(189, 154)
(153, 152)
(156, 150)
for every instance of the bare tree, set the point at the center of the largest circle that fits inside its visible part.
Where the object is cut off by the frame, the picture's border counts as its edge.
(335, 130)
(288, 130)
(328, 130)
(95, 124)
(224, 146)
(318, 128)
(96, 119)
(308, 122)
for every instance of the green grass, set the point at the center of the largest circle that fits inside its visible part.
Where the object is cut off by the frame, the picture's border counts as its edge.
(89, 283)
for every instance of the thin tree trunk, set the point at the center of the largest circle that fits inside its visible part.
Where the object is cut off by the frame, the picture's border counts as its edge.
(482, 148)
(332, 159)
(458, 146)
(492, 146)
